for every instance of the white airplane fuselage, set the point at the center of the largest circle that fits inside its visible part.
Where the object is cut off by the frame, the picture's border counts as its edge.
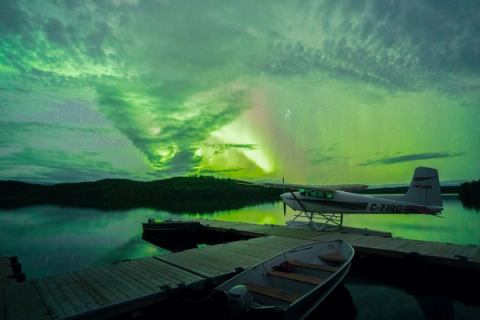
(347, 202)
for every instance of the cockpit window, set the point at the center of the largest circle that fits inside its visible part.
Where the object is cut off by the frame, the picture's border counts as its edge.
(318, 194)
(302, 192)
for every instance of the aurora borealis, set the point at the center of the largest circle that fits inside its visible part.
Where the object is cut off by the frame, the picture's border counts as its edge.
(346, 91)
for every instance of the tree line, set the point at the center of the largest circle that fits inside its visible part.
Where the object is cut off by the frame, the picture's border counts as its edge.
(470, 194)
(197, 194)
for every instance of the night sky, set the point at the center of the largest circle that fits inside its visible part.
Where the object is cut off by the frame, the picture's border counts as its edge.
(345, 91)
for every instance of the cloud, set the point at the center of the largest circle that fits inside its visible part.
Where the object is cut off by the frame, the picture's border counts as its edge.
(219, 148)
(57, 166)
(393, 44)
(165, 76)
(411, 157)
(12, 18)
(169, 129)
(318, 156)
(9, 127)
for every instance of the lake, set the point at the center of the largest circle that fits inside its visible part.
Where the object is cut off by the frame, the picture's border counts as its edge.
(50, 240)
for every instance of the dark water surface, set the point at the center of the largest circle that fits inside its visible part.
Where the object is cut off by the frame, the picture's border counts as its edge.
(50, 240)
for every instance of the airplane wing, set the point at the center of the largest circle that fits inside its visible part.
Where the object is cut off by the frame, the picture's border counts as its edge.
(341, 187)
(291, 186)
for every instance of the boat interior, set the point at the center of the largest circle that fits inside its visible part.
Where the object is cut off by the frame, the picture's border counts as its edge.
(284, 279)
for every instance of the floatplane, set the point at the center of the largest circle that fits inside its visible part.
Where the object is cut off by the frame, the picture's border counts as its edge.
(325, 205)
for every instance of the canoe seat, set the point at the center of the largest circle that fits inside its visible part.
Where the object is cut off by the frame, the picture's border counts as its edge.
(314, 266)
(278, 294)
(296, 276)
(333, 257)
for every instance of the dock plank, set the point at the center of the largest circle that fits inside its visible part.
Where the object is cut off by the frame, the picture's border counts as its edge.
(83, 295)
(119, 282)
(94, 290)
(192, 266)
(60, 295)
(23, 302)
(173, 274)
(105, 282)
(163, 272)
(143, 285)
(148, 275)
(53, 305)
(77, 301)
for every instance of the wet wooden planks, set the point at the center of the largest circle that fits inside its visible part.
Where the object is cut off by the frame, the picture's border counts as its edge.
(446, 253)
(22, 301)
(257, 229)
(219, 260)
(283, 231)
(367, 241)
(101, 288)
(96, 290)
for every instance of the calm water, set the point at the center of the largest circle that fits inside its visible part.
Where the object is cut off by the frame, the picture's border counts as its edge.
(51, 240)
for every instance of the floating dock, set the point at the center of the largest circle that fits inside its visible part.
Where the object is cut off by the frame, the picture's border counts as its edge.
(126, 288)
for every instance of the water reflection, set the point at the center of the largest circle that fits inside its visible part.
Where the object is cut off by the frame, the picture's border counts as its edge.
(374, 299)
(51, 239)
(338, 305)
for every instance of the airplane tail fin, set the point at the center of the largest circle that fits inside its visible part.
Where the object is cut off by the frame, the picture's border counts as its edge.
(424, 188)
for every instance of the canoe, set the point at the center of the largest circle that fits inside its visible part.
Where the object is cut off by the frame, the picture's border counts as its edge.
(291, 284)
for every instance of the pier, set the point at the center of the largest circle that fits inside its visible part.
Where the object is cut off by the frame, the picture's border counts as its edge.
(126, 288)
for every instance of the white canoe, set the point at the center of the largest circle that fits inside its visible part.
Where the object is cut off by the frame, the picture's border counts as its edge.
(291, 284)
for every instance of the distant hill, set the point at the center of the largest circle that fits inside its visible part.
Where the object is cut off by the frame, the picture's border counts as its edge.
(198, 194)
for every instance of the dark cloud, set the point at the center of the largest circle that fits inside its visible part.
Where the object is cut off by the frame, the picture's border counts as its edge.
(9, 127)
(410, 157)
(55, 31)
(13, 19)
(319, 159)
(58, 166)
(318, 156)
(223, 147)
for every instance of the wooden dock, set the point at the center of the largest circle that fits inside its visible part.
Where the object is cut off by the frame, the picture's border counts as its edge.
(367, 242)
(123, 288)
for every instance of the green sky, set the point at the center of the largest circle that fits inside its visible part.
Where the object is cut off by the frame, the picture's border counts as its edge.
(344, 91)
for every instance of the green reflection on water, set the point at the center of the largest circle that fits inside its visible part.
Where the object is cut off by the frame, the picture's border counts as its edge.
(456, 224)
(50, 239)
